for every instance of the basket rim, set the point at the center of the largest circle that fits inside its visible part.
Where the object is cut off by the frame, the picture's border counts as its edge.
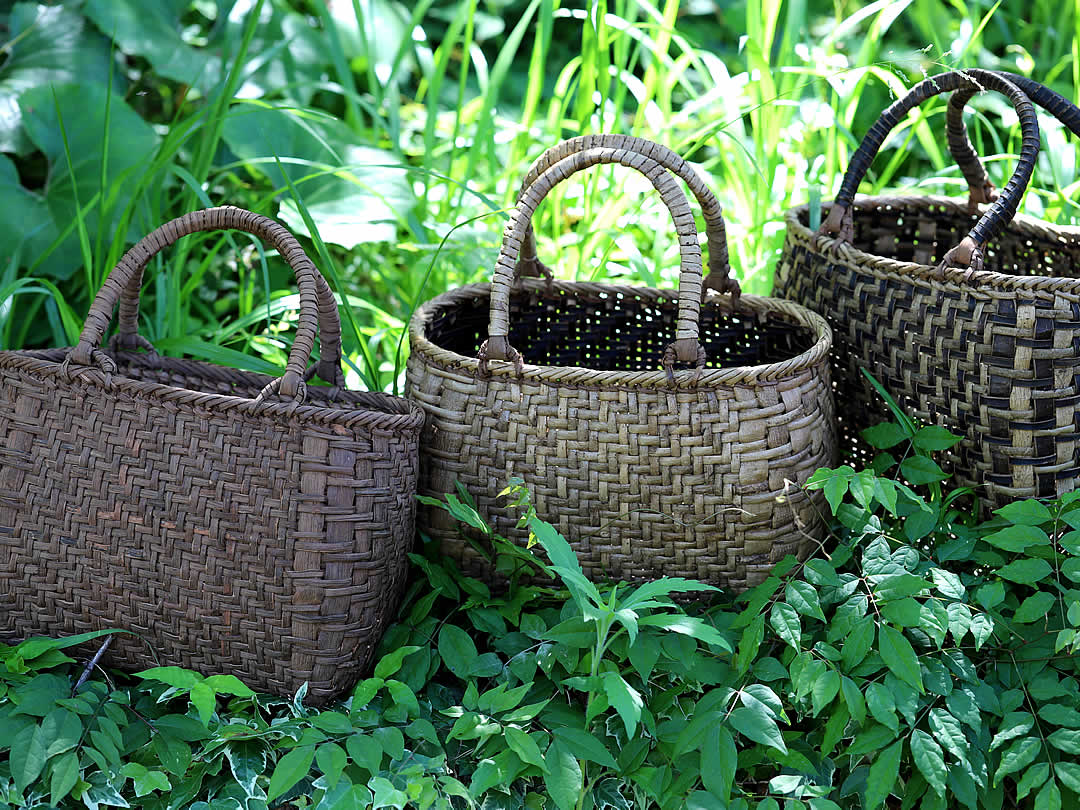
(402, 415)
(961, 277)
(688, 380)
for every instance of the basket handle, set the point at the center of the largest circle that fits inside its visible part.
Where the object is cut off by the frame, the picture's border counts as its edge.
(981, 189)
(316, 303)
(719, 276)
(969, 252)
(685, 348)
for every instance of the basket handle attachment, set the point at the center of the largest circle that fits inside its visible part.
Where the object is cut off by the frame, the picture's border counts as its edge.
(981, 189)
(686, 348)
(968, 253)
(718, 278)
(317, 305)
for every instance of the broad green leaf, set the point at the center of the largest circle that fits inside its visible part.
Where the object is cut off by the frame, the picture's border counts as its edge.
(247, 760)
(384, 794)
(1026, 572)
(935, 620)
(921, 470)
(1014, 724)
(833, 482)
(755, 723)
(1049, 798)
(65, 774)
(785, 621)
(1060, 715)
(884, 772)
(1069, 774)
(584, 745)
(563, 777)
(1032, 779)
(1067, 739)
(854, 699)
(898, 655)
(982, 627)
(751, 639)
(27, 756)
(932, 438)
(228, 685)
(959, 620)
(688, 626)
(885, 435)
(900, 587)
(1035, 607)
(1017, 538)
(905, 612)
(525, 747)
(457, 649)
(694, 734)
(365, 751)
(949, 733)
(149, 782)
(62, 729)
(825, 689)
(173, 676)
(1017, 756)
(719, 759)
(929, 759)
(625, 699)
(857, 644)
(290, 769)
(948, 584)
(804, 598)
(204, 700)
(391, 739)
(882, 706)
(1028, 513)
(331, 759)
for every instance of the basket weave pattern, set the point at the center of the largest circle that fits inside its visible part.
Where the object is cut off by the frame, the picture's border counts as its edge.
(647, 473)
(230, 531)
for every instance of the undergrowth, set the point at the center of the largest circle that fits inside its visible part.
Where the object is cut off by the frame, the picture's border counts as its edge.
(927, 660)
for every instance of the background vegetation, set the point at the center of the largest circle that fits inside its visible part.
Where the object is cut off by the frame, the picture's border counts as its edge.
(921, 659)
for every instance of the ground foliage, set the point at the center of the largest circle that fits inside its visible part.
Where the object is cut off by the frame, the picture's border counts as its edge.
(923, 659)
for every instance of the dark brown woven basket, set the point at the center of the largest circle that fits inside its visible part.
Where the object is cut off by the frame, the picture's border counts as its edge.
(648, 471)
(234, 527)
(970, 320)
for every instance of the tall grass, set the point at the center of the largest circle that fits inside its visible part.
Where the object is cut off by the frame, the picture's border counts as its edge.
(768, 98)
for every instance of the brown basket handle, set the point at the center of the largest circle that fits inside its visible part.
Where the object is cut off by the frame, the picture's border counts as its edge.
(719, 276)
(969, 252)
(686, 348)
(316, 302)
(981, 189)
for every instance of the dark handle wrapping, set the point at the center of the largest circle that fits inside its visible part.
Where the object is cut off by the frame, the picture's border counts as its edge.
(686, 347)
(719, 276)
(969, 252)
(981, 189)
(317, 304)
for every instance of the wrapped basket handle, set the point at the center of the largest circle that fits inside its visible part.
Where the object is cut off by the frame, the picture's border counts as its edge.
(719, 276)
(981, 189)
(686, 348)
(969, 252)
(316, 301)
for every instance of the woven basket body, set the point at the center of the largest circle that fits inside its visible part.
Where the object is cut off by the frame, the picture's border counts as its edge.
(990, 350)
(231, 532)
(647, 473)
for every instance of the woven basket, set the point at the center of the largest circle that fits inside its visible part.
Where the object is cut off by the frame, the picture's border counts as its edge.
(981, 337)
(648, 471)
(231, 530)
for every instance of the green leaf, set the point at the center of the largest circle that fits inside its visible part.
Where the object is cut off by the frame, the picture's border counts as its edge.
(1026, 572)
(365, 751)
(1035, 607)
(854, 699)
(626, 700)
(825, 689)
(900, 586)
(173, 676)
(982, 627)
(289, 770)
(948, 584)
(857, 644)
(755, 723)
(949, 733)
(884, 772)
(1049, 798)
(228, 685)
(203, 699)
(331, 759)
(27, 756)
(1067, 739)
(392, 741)
(151, 781)
(563, 776)
(62, 729)
(1028, 513)
(1033, 778)
(749, 643)
(882, 706)
(929, 759)
(65, 773)
(384, 794)
(1014, 724)
(1069, 774)
(804, 598)
(935, 620)
(899, 657)
(833, 482)
(785, 621)
(247, 761)
(1060, 715)
(719, 759)
(1018, 755)
(688, 626)
(457, 649)
(885, 435)
(584, 745)
(524, 746)
(921, 470)
(933, 438)
(1017, 538)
